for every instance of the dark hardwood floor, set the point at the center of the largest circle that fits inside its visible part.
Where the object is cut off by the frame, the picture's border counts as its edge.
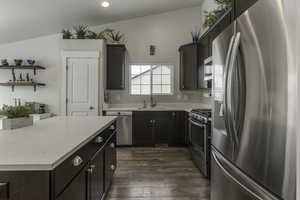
(157, 174)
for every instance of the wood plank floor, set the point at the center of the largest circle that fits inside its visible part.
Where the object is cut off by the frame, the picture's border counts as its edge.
(157, 174)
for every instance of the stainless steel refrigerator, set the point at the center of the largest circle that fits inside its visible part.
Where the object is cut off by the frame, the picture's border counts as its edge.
(254, 142)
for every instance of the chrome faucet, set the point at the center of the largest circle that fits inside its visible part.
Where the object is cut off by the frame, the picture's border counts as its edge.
(152, 101)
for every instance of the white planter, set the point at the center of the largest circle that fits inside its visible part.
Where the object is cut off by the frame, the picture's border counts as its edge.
(9, 124)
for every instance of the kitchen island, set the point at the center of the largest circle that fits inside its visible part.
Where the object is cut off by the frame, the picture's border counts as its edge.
(59, 158)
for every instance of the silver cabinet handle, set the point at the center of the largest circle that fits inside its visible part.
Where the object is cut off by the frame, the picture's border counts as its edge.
(91, 169)
(112, 127)
(112, 167)
(77, 161)
(112, 145)
(92, 108)
(99, 140)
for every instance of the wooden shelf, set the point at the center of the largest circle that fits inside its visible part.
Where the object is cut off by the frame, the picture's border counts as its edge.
(14, 67)
(12, 85)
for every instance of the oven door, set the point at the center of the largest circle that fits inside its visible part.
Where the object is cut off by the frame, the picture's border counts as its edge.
(197, 136)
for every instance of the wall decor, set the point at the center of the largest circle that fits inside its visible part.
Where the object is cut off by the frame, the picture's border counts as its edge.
(31, 62)
(152, 50)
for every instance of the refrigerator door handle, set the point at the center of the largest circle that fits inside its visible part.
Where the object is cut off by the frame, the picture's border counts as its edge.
(224, 107)
(232, 62)
(256, 190)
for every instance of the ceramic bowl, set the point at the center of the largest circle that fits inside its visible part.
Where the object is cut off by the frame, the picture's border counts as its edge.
(31, 62)
(18, 61)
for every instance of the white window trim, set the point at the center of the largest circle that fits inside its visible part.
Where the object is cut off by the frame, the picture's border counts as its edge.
(151, 64)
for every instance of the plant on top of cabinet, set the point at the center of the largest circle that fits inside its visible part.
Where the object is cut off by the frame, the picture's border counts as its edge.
(81, 31)
(196, 35)
(66, 34)
(116, 37)
(211, 17)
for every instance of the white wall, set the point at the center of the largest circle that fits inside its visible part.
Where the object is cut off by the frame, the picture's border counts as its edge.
(47, 51)
(167, 31)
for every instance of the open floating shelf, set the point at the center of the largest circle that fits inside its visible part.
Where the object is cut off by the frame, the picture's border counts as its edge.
(13, 67)
(12, 85)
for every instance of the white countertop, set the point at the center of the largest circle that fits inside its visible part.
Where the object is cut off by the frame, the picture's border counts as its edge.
(47, 143)
(159, 107)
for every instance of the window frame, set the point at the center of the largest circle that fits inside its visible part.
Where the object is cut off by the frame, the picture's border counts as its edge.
(172, 82)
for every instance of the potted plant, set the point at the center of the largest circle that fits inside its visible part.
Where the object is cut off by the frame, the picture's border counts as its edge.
(81, 31)
(16, 117)
(66, 34)
(116, 37)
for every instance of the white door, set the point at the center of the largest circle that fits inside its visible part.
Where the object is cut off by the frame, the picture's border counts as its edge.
(82, 86)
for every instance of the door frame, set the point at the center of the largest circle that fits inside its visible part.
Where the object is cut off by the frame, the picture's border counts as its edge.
(75, 54)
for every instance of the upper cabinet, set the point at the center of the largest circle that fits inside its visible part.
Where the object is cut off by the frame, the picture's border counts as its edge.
(116, 59)
(189, 64)
(243, 5)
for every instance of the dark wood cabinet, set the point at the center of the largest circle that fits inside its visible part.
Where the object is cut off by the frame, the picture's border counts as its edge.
(243, 5)
(96, 177)
(152, 128)
(110, 161)
(116, 61)
(76, 190)
(189, 64)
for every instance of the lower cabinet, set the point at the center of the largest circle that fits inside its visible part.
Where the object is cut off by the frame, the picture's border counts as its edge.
(93, 180)
(152, 128)
(110, 161)
(77, 189)
(95, 177)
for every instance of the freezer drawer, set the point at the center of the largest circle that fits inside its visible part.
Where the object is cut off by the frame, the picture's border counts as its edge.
(228, 182)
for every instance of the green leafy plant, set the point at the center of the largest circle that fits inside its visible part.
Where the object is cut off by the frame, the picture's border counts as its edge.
(12, 112)
(66, 34)
(104, 35)
(81, 31)
(211, 17)
(91, 35)
(116, 37)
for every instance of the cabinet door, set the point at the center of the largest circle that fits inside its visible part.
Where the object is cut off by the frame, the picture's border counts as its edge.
(188, 67)
(96, 177)
(164, 127)
(143, 134)
(116, 55)
(110, 161)
(179, 129)
(76, 190)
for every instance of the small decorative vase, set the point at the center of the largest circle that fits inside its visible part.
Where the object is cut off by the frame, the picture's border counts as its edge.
(4, 62)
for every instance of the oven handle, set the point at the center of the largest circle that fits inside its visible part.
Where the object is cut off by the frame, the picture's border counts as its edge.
(196, 123)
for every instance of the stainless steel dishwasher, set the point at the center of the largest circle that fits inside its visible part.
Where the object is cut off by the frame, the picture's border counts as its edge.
(124, 127)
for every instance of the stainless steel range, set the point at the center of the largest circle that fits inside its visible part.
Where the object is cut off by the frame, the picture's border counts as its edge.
(200, 139)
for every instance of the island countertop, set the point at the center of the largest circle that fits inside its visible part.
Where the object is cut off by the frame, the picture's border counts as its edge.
(47, 143)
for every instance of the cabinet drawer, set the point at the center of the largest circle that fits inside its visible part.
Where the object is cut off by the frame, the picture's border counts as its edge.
(67, 170)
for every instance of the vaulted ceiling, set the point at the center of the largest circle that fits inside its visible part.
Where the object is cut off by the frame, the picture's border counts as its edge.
(24, 19)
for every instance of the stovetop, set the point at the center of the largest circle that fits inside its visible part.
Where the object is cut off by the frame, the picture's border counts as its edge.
(201, 115)
(203, 112)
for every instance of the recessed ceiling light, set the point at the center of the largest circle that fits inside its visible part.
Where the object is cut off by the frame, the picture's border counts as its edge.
(105, 4)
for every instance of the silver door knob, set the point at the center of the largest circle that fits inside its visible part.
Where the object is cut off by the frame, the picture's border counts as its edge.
(77, 161)
(112, 167)
(112, 127)
(112, 145)
(98, 140)
(92, 108)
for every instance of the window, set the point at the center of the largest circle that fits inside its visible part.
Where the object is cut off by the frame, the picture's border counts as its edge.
(147, 79)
